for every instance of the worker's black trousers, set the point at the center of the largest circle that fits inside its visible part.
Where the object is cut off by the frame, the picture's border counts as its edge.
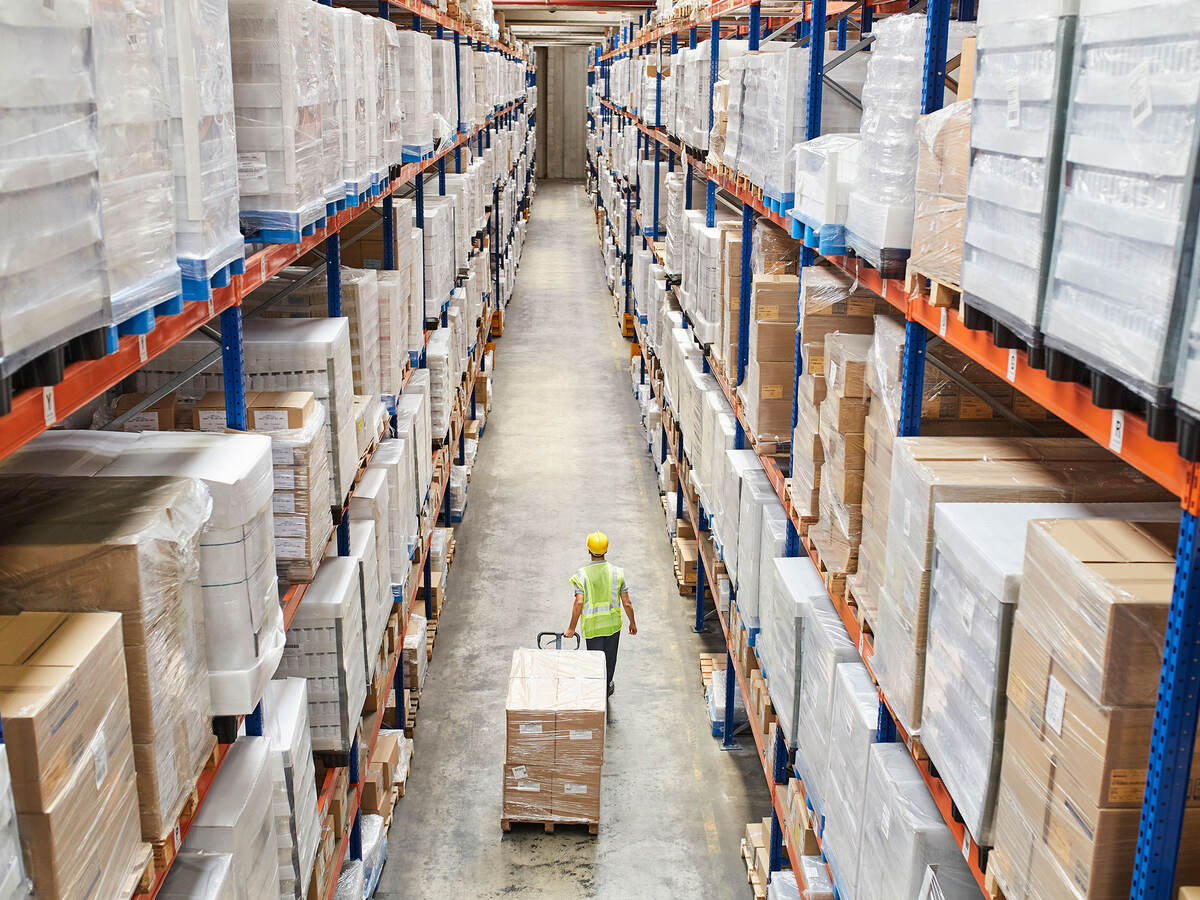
(608, 644)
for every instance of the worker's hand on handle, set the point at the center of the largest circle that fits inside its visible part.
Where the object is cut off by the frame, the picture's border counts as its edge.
(570, 632)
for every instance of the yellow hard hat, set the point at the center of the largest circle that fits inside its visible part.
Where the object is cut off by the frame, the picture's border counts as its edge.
(597, 543)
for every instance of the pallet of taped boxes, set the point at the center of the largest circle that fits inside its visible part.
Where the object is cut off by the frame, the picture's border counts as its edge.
(555, 738)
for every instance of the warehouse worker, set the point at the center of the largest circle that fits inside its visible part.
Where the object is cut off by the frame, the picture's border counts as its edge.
(598, 586)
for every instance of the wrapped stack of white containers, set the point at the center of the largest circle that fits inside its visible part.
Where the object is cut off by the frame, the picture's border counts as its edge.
(352, 64)
(294, 777)
(416, 57)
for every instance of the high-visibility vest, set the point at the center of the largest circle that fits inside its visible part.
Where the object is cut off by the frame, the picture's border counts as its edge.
(601, 584)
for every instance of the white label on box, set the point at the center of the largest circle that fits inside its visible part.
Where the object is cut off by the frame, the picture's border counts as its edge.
(1012, 91)
(290, 526)
(212, 309)
(966, 852)
(143, 421)
(252, 173)
(1116, 432)
(285, 480)
(141, 342)
(833, 373)
(283, 502)
(48, 406)
(178, 836)
(282, 455)
(944, 321)
(531, 728)
(1011, 372)
(1056, 702)
(582, 734)
(885, 820)
(570, 788)
(528, 786)
(1139, 91)
(99, 751)
(520, 773)
(212, 419)
(290, 548)
(270, 420)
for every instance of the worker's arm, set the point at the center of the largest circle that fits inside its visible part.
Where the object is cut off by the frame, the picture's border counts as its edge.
(629, 611)
(576, 612)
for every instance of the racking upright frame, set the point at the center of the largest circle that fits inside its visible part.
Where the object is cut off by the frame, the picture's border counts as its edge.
(1178, 704)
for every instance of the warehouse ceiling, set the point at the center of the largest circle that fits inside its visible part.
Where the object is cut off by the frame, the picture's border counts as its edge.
(540, 22)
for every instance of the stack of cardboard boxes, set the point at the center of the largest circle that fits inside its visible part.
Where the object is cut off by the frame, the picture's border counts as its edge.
(555, 737)
(943, 157)
(766, 391)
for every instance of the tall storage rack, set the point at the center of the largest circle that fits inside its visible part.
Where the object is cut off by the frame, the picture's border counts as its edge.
(231, 296)
(1124, 434)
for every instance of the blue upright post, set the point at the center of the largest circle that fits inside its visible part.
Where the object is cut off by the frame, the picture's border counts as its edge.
(755, 28)
(442, 177)
(628, 247)
(254, 721)
(714, 51)
(746, 277)
(700, 579)
(385, 8)
(775, 851)
(353, 762)
(428, 586)
(1168, 780)
(462, 123)
(885, 726)
(355, 848)
(687, 184)
(233, 368)
(692, 38)
(416, 22)
(966, 10)
(389, 234)
(728, 741)
(867, 20)
(333, 273)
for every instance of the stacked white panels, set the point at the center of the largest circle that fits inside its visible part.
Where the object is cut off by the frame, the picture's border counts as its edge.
(414, 405)
(352, 63)
(394, 337)
(416, 56)
(742, 550)
(243, 622)
(328, 22)
(467, 112)
(438, 243)
(297, 826)
(137, 189)
(483, 97)
(794, 588)
(51, 261)
(277, 99)
(437, 354)
(902, 830)
(375, 53)
(673, 257)
(458, 191)
(1018, 112)
(445, 97)
(1128, 196)
(395, 458)
(825, 174)
(236, 818)
(390, 62)
(200, 875)
(371, 542)
(325, 646)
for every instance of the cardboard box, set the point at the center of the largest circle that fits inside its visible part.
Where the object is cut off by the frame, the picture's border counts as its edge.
(1101, 591)
(576, 793)
(208, 413)
(159, 416)
(280, 410)
(773, 298)
(530, 716)
(339, 803)
(387, 756)
(773, 341)
(579, 724)
(528, 792)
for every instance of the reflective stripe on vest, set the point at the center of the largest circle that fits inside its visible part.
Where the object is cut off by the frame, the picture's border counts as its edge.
(601, 584)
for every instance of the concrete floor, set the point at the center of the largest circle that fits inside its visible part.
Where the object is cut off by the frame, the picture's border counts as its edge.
(564, 454)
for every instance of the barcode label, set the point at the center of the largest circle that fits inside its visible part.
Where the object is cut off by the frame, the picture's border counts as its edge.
(142, 354)
(1139, 90)
(1012, 92)
(1116, 432)
(943, 322)
(1011, 372)
(48, 413)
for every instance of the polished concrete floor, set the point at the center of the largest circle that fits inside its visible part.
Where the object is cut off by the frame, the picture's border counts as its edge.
(564, 454)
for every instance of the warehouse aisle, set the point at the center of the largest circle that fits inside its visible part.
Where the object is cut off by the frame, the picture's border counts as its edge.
(563, 454)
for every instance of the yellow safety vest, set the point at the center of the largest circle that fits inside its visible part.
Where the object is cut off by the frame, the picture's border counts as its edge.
(601, 584)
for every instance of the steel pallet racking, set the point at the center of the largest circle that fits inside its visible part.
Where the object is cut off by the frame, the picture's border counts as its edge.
(1124, 434)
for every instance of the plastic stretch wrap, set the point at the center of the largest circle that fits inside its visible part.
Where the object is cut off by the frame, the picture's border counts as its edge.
(826, 171)
(854, 717)
(395, 458)
(445, 100)
(136, 175)
(926, 471)
(332, 100)
(415, 657)
(943, 156)
(734, 469)
(717, 430)
(979, 552)
(1022, 76)
(416, 97)
(236, 818)
(13, 883)
(714, 697)
(360, 306)
(371, 543)
(72, 787)
(199, 875)
(773, 251)
(742, 565)
(374, 851)
(352, 64)
(824, 645)
(277, 100)
(437, 355)
(466, 86)
(555, 736)
(438, 242)
(412, 417)
(52, 273)
(127, 545)
(784, 886)
(1127, 195)
(301, 501)
(795, 585)
(880, 213)
(325, 645)
(351, 882)
(282, 354)
(902, 830)
(294, 803)
(390, 103)
(948, 883)
(817, 883)
(458, 491)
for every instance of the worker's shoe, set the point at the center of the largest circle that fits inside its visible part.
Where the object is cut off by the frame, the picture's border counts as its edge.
(611, 688)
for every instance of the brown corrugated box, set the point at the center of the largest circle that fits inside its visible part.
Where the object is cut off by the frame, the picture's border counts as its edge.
(530, 712)
(528, 791)
(159, 416)
(280, 410)
(576, 793)
(773, 341)
(579, 723)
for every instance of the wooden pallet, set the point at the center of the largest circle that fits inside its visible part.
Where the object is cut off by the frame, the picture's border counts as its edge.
(163, 851)
(991, 885)
(430, 637)
(142, 874)
(708, 663)
(760, 889)
(935, 291)
(507, 824)
(861, 614)
(835, 582)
